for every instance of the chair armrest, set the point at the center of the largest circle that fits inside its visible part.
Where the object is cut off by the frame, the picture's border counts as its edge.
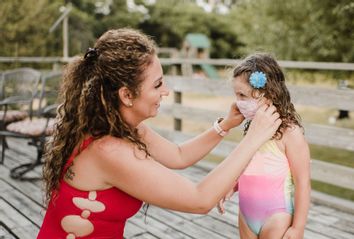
(50, 111)
(14, 100)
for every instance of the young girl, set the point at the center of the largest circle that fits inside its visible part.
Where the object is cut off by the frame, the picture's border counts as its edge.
(274, 190)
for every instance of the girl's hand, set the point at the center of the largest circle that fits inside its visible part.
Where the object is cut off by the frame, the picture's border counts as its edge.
(293, 233)
(234, 118)
(220, 205)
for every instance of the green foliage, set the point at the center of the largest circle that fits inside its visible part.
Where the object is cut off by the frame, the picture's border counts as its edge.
(26, 24)
(118, 17)
(169, 25)
(297, 30)
(293, 30)
(24, 28)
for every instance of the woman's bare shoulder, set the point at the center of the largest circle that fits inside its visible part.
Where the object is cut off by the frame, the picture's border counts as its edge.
(108, 144)
(109, 147)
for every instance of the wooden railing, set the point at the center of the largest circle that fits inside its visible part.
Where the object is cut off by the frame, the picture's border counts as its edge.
(310, 65)
(179, 61)
(310, 96)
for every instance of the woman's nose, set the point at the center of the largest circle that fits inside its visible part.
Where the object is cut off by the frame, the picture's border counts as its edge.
(165, 91)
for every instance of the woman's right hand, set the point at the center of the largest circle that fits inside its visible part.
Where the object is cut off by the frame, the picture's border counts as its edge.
(234, 118)
(265, 123)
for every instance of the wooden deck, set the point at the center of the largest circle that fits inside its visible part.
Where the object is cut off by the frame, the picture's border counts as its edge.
(21, 211)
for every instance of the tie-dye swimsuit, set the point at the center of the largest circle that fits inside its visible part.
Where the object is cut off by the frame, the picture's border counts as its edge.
(265, 187)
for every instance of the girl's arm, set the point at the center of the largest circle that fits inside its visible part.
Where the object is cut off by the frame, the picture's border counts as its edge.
(181, 156)
(126, 168)
(297, 151)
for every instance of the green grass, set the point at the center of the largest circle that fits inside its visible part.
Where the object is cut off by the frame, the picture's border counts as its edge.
(333, 155)
(323, 78)
(333, 190)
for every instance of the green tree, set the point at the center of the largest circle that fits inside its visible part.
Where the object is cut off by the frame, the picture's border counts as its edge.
(297, 30)
(24, 28)
(169, 25)
(119, 16)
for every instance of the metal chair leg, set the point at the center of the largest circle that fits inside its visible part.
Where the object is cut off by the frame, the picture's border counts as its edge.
(3, 145)
(20, 171)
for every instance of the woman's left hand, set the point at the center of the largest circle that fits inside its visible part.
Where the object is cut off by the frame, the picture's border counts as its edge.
(293, 233)
(234, 118)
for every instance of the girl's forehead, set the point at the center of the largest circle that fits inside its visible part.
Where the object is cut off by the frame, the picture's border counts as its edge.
(242, 78)
(241, 82)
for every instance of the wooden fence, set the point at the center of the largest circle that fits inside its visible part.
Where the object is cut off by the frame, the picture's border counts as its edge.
(309, 96)
(178, 61)
(317, 134)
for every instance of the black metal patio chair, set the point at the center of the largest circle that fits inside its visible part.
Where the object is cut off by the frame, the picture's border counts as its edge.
(18, 88)
(37, 128)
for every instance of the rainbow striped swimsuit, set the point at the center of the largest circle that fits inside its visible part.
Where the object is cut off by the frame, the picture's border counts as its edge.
(265, 187)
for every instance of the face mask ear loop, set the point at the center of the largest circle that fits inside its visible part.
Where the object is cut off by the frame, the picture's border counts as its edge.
(260, 96)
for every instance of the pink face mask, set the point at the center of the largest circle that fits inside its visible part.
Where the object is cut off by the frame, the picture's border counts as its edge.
(248, 108)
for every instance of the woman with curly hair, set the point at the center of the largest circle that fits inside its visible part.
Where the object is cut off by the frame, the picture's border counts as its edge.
(274, 190)
(103, 161)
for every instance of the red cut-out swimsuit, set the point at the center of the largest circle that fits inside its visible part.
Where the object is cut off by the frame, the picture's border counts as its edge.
(97, 214)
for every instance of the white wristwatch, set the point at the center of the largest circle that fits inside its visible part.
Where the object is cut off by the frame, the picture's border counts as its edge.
(218, 129)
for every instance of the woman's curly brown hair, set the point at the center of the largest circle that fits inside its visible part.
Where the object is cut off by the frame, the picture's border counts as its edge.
(89, 100)
(274, 90)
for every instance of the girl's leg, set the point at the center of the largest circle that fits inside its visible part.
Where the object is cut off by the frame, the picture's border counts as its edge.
(245, 231)
(275, 226)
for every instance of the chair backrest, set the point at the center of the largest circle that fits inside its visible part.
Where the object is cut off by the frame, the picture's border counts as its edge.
(20, 84)
(50, 84)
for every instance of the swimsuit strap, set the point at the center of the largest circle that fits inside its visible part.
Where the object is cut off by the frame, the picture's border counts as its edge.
(82, 147)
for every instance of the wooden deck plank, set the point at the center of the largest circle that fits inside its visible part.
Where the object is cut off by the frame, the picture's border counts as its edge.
(16, 222)
(175, 221)
(28, 208)
(157, 228)
(5, 233)
(133, 230)
(145, 235)
(21, 211)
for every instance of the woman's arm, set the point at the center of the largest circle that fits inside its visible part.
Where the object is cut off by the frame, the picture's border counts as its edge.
(297, 151)
(188, 153)
(127, 169)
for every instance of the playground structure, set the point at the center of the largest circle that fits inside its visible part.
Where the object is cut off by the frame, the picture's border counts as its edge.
(195, 46)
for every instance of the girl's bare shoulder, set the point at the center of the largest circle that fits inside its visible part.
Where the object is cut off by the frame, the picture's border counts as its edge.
(293, 133)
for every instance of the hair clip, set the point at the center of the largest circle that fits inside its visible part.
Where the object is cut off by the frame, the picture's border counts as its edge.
(258, 79)
(91, 53)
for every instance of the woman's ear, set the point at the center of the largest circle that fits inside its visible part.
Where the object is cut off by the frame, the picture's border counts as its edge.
(125, 96)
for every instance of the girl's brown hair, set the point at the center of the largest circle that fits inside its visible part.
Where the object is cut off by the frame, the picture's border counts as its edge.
(274, 90)
(89, 100)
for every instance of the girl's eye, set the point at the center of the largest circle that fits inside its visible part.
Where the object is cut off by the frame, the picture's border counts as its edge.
(240, 95)
(158, 85)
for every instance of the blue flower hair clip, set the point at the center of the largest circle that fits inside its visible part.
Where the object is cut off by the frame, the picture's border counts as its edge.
(258, 79)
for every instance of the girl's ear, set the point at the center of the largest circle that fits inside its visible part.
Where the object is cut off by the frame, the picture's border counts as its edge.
(125, 96)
